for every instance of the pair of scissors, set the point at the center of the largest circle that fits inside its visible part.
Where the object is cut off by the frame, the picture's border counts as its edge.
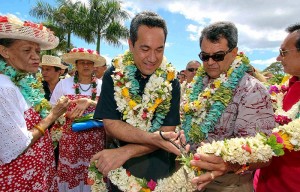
(181, 147)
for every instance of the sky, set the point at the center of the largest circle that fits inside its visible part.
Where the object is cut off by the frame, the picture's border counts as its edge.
(261, 25)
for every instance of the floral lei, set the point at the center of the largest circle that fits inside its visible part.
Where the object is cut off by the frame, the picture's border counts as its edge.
(30, 88)
(76, 86)
(148, 111)
(202, 109)
(260, 148)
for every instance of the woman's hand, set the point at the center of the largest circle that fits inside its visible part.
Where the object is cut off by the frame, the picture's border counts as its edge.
(61, 107)
(81, 105)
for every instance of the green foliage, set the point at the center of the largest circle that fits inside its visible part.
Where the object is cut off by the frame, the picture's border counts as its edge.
(277, 147)
(275, 68)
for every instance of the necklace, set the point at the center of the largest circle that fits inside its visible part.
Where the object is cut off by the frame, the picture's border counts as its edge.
(78, 87)
(202, 107)
(30, 88)
(85, 90)
(148, 111)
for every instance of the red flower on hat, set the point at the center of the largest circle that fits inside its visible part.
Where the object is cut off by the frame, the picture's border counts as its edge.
(3, 19)
(80, 49)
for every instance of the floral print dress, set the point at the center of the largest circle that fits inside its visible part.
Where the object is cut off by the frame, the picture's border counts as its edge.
(75, 151)
(34, 170)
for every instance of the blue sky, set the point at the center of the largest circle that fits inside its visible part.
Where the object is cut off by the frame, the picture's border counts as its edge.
(261, 25)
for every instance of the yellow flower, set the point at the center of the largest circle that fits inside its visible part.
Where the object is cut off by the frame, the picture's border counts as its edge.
(229, 71)
(286, 140)
(155, 105)
(132, 104)
(170, 75)
(116, 63)
(207, 94)
(186, 107)
(125, 92)
(145, 190)
(217, 83)
(285, 78)
(197, 104)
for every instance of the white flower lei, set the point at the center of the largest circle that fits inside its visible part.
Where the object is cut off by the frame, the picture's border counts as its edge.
(140, 113)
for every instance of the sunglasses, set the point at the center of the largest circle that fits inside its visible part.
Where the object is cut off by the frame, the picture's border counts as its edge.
(219, 56)
(283, 52)
(192, 69)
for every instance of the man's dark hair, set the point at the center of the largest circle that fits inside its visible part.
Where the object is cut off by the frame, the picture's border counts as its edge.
(218, 30)
(150, 19)
(295, 29)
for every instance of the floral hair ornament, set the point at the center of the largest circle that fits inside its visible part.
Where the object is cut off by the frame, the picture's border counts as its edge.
(11, 27)
(83, 54)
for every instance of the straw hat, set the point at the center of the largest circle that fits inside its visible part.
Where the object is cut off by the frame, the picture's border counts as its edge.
(49, 60)
(83, 54)
(11, 27)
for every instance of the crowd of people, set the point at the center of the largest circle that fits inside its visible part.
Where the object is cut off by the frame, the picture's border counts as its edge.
(151, 114)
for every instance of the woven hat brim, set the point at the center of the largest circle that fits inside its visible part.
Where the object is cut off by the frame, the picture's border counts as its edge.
(74, 56)
(54, 65)
(45, 38)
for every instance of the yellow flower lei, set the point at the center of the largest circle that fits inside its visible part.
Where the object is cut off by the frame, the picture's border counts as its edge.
(139, 110)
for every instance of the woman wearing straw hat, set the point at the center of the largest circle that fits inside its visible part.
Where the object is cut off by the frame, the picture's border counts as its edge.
(26, 152)
(51, 70)
(77, 148)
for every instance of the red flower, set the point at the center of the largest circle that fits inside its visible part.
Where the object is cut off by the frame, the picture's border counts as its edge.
(246, 147)
(90, 51)
(90, 181)
(128, 173)
(3, 19)
(282, 120)
(80, 49)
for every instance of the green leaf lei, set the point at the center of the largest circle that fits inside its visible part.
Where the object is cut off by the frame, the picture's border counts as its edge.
(94, 85)
(31, 89)
(203, 107)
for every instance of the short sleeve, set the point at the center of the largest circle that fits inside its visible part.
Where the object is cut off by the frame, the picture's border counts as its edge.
(107, 106)
(14, 135)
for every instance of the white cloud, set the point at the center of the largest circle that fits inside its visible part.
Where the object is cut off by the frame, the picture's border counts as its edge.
(265, 63)
(261, 24)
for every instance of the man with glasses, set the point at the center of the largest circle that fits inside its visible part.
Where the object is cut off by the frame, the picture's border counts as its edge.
(191, 69)
(283, 172)
(248, 109)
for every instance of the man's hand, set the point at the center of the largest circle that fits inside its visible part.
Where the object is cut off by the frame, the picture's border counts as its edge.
(109, 159)
(172, 141)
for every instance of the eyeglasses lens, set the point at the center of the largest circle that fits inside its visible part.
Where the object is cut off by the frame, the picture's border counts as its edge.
(216, 57)
(192, 69)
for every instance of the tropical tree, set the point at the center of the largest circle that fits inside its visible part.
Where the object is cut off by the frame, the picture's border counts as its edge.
(276, 69)
(65, 18)
(104, 21)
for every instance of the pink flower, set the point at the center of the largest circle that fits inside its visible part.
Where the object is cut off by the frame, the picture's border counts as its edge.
(144, 116)
(75, 86)
(151, 184)
(278, 138)
(273, 89)
(90, 51)
(81, 49)
(94, 90)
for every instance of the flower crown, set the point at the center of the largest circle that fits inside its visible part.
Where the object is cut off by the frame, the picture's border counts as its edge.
(12, 27)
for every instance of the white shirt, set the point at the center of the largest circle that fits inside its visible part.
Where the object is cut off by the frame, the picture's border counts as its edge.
(14, 135)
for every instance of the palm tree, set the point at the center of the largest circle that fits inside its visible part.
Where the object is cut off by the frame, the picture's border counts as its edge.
(104, 21)
(64, 18)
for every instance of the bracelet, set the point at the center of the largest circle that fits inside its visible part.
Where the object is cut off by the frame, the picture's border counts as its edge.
(242, 170)
(40, 129)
